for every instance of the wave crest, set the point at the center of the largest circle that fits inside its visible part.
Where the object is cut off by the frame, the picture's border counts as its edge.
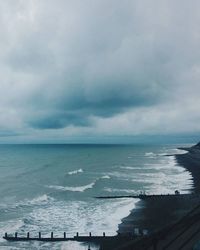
(75, 171)
(38, 200)
(78, 188)
(72, 189)
(150, 154)
(105, 177)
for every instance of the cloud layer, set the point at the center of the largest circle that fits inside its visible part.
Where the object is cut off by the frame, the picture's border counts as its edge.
(99, 67)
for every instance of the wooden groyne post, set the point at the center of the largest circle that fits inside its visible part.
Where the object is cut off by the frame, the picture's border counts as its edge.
(85, 238)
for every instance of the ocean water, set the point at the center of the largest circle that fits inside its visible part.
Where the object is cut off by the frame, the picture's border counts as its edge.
(53, 187)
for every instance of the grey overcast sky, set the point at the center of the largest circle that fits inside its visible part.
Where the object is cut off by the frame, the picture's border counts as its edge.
(97, 68)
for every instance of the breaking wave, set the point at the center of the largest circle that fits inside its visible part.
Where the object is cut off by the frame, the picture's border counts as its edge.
(78, 188)
(129, 168)
(105, 177)
(114, 190)
(153, 155)
(75, 171)
(37, 201)
(150, 154)
(40, 199)
(73, 189)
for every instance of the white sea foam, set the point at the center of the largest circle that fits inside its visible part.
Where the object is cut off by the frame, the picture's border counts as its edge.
(78, 188)
(105, 177)
(73, 216)
(164, 176)
(154, 155)
(72, 189)
(39, 200)
(113, 190)
(180, 151)
(162, 154)
(150, 154)
(77, 246)
(75, 171)
(120, 175)
(10, 226)
(120, 210)
(170, 177)
(129, 168)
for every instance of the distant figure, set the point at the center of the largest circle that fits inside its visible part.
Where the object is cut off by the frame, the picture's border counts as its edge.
(136, 231)
(145, 232)
(177, 192)
(142, 193)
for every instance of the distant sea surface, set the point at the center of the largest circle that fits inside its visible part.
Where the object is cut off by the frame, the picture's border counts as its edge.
(52, 187)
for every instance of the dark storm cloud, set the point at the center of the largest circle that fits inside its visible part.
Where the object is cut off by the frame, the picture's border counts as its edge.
(73, 106)
(58, 120)
(77, 62)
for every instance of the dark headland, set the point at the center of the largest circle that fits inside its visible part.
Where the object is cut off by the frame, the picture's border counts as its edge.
(172, 221)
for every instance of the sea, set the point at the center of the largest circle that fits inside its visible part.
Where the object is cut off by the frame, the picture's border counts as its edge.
(52, 188)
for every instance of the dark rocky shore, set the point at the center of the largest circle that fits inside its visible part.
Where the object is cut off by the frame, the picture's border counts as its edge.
(153, 214)
(191, 161)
